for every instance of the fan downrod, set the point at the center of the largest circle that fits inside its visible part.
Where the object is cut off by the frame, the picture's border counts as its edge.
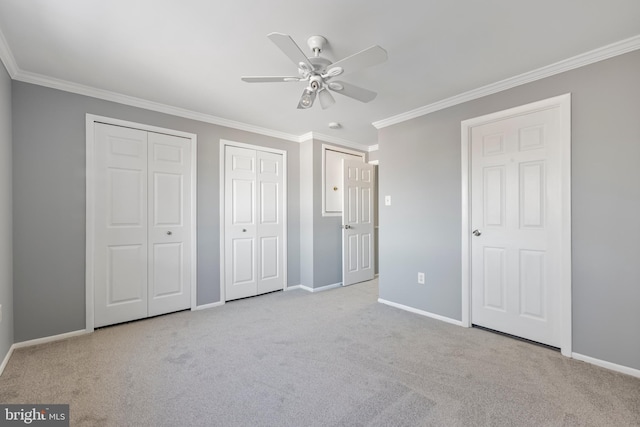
(316, 44)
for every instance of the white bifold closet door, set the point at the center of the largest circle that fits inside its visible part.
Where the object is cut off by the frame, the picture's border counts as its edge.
(254, 222)
(142, 254)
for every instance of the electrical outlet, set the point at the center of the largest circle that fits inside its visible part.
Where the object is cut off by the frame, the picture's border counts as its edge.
(421, 278)
(387, 200)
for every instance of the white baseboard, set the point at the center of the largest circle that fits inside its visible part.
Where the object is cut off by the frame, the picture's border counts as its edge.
(608, 365)
(6, 359)
(420, 312)
(52, 338)
(206, 306)
(37, 341)
(291, 288)
(321, 288)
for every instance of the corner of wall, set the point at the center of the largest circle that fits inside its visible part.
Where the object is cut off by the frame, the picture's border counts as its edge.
(306, 213)
(6, 216)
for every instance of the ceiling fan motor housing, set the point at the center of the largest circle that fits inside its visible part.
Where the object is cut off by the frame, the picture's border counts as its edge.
(315, 82)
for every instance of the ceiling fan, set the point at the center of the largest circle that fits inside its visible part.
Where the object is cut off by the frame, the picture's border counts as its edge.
(319, 71)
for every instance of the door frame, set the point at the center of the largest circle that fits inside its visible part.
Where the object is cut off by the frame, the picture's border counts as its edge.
(227, 143)
(563, 103)
(91, 120)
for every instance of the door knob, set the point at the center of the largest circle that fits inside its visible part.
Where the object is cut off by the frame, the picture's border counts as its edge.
(169, 233)
(244, 230)
(476, 233)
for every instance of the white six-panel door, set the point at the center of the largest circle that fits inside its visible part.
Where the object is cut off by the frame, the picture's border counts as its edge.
(120, 253)
(141, 254)
(357, 222)
(516, 222)
(169, 183)
(254, 222)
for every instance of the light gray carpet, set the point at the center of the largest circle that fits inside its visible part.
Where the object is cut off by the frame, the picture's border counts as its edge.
(334, 358)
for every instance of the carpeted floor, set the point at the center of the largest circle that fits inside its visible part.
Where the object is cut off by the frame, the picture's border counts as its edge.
(334, 358)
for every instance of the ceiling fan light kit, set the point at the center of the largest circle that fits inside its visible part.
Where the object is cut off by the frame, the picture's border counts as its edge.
(318, 71)
(307, 98)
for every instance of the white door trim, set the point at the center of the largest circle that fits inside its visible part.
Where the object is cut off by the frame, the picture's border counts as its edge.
(563, 103)
(91, 119)
(224, 143)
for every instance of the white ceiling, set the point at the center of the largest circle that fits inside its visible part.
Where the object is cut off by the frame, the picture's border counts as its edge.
(190, 54)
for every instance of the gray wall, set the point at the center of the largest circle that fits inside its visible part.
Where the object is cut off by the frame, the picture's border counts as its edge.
(306, 213)
(49, 203)
(420, 162)
(6, 213)
(327, 241)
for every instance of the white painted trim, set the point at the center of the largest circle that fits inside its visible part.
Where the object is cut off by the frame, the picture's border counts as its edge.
(374, 162)
(6, 56)
(208, 306)
(618, 48)
(37, 341)
(90, 121)
(420, 312)
(294, 287)
(194, 221)
(333, 140)
(224, 143)
(52, 338)
(221, 242)
(89, 222)
(5, 361)
(607, 365)
(119, 98)
(374, 148)
(321, 288)
(67, 86)
(326, 147)
(466, 238)
(563, 103)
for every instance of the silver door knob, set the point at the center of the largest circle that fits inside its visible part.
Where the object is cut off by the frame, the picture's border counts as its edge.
(476, 233)
(169, 233)
(346, 227)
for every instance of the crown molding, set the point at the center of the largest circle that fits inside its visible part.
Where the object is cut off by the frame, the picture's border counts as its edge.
(596, 55)
(64, 85)
(374, 147)
(119, 98)
(306, 137)
(6, 56)
(334, 140)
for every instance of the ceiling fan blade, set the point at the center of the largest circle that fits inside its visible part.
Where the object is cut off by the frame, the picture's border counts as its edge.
(267, 79)
(291, 49)
(353, 91)
(326, 99)
(363, 59)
